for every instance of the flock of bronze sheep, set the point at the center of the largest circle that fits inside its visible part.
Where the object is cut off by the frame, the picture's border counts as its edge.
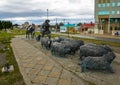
(91, 56)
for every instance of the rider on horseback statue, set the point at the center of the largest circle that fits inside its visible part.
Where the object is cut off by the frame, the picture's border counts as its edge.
(30, 30)
(45, 29)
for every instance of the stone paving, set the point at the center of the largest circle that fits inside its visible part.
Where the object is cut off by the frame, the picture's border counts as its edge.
(96, 77)
(38, 68)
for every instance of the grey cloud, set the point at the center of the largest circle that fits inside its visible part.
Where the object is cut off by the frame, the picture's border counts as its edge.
(15, 6)
(32, 13)
(36, 8)
(22, 14)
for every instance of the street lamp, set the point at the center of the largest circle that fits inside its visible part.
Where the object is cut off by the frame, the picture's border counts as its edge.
(56, 25)
(68, 29)
(47, 13)
(64, 21)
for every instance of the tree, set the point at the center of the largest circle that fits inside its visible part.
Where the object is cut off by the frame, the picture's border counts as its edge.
(79, 24)
(5, 25)
(0, 25)
(16, 25)
(61, 24)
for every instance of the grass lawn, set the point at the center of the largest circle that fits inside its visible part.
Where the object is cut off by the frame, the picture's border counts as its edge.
(99, 42)
(9, 78)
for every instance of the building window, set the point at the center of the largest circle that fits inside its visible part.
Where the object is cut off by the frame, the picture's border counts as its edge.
(115, 27)
(108, 4)
(116, 20)
(118, 4)
(99, 5)
(110, 28)
(119, 20)
(113, 4)
(107, 12)
(113, 12)
(103, 12)
(118, 28)
(111, 20)
(118, 12)
(103, 5)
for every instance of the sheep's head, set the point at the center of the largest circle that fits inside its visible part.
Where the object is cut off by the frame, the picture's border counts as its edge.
(110, 56)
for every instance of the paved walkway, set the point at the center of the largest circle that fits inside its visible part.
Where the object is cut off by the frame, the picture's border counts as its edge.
(39, 69)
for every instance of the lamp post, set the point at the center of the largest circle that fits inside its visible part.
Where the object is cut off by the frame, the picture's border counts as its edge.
(47, 13)
(64, 21)
(68, 29)
(56, 25)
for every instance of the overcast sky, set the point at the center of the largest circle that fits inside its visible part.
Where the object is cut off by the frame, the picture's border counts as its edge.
(35, 11)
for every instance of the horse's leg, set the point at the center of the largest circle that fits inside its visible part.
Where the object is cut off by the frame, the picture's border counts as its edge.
(43, 34)
(26, 34)
(33, 34)
(49, 36)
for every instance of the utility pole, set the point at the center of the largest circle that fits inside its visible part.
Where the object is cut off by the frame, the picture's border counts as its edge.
(68, 29)
(56, 20)
(64, 21)
(56, 25)
(47, 13)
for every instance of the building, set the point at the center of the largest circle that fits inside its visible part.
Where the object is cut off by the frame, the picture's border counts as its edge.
(87, 28)
(72, 28)
(107, 16)
(26, 24)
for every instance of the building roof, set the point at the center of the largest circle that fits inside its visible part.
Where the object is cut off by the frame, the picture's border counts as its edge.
(88, 25)
(69, 25)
